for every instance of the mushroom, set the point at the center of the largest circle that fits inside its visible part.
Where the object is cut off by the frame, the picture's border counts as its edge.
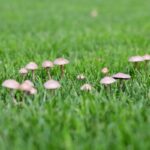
(28, 88)
(107, 81)
(121, 76)
(136, 60)
(29, 83)
(25, 87)
(80, 77)
(23, 71)
(47, 65)
(32, 66)
(86, 87)
(61, 62)
(12, 85)
(52, 85)
(105, 70)
(33, 91)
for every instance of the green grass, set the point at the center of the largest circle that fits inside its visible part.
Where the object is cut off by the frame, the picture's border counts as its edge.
(36, 30)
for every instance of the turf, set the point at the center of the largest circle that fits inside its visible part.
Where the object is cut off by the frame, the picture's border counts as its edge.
(69, 119)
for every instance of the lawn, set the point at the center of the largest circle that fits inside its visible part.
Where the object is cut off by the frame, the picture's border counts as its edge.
(70, 119)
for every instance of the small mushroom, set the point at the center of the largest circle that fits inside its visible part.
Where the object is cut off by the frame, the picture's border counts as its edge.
(80, 77)
(105, 70)
(61, 62)
(86, 87)
(12, 85)
(33, 91)
(52, 85)
(47, 65)
(32, 66)
(107, 81)
(25, 87)
(121, 76)
(23, 71)
(136, 60)
(30, 83)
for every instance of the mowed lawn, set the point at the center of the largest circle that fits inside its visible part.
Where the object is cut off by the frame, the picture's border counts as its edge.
(70, 119)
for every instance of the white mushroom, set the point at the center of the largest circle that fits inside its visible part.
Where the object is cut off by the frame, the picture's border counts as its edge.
(105, 70)
(61, 62)
(23, 71)
(32, 66)
(86, 87)
(12, 85)
(52, 85)
(107, 80)
(80, 77)
(47, 65)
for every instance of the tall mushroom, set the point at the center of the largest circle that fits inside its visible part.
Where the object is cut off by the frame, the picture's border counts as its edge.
(136, 60)
(23, 72)
(121, 76)
(32, 66)
(47, 65)
(61, 62)
(107, 81)
(12, 85)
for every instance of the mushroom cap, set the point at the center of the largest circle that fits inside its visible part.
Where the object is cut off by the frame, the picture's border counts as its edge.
(146, 57)
(31, 66)
(33, 91)
(52, 85)
(136, 59)
(80, 77)
(29, 82)
(107, 80)
(105, 70)
(25, 87)
(61, 61)
(86, 87)
(23, 71)
(121, 76)
(11, 84)
(47, 64)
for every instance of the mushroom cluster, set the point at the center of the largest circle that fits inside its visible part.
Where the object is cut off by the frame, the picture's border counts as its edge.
(28, 88)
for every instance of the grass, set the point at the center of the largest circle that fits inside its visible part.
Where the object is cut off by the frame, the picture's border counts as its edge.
(70, 119)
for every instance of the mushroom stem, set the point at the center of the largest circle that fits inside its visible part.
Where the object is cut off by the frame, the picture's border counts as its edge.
(62, 70)
(49, 76)
(33, 75)
(107, 88)
(13, 97)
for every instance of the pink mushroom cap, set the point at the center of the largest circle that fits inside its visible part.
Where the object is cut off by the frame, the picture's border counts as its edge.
(107, 80)
(52, 85)
(11, 84)
(61, 61)
(47, 64)
(121, 76)
(136, 59)
(31, 66)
